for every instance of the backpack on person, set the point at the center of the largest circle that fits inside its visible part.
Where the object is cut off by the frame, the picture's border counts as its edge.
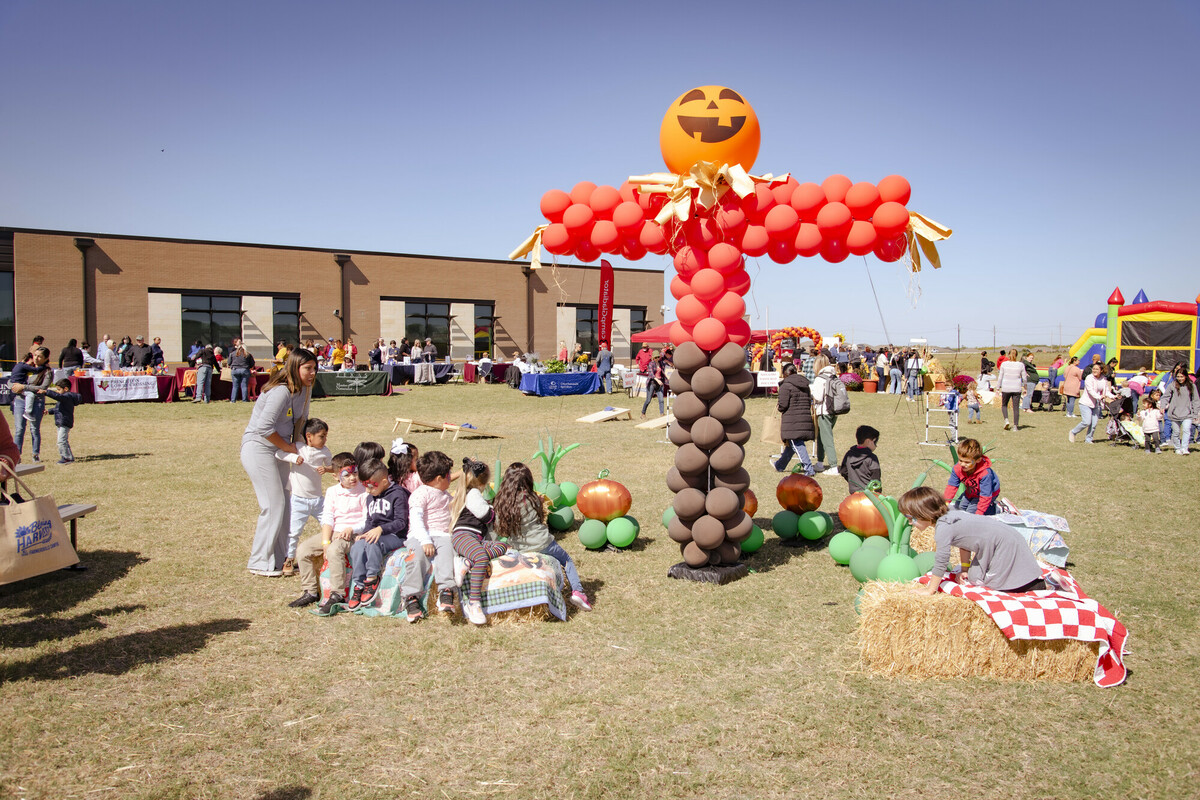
(837, 399)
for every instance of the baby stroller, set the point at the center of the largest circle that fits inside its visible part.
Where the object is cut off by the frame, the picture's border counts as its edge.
(1125, 431)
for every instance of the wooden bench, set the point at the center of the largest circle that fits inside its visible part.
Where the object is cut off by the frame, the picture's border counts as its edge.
(72, 513)
(459, 429)
(412, 423)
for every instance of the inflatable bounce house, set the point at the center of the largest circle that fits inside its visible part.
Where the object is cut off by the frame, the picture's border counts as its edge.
(1144, 335)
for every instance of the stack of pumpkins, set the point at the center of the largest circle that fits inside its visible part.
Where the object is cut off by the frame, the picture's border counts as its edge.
(708, 479)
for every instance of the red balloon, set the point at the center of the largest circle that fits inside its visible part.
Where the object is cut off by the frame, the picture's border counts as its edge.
(781, 222)
(782, 192)
(632, 250)
(628, 191)
(689, 310)
(554, 203)
(892, 249)
(808, 240)
(729, 309)
(738, 283)
(730, 217)
(688, 260)
(708, 285)
(702, 233)
(862, 200)
(578, 219)
(582, 192)
(894, 189)
(606, 237)
(755, 240)
(651, 238)
(710, 334)
(757, 205)
(680, 288)
(862, 237)
(556, 239)
(889, 219)
(808, 199)
(627, 216)
(586, 251)
(739, 332)
(725, 258)
(782, 252)
(604, 201)
(651, 202)
(679, 334)
(834, 250)
(834, 221)
(835, 187)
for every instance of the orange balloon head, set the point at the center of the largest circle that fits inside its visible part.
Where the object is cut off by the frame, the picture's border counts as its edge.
(709, 123)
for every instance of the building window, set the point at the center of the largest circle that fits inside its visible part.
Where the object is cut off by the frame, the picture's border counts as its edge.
(485, 325)
(637, 320)
(423, 320)
(8, 320)
(587, 328)
(211, 320)
(286, 320)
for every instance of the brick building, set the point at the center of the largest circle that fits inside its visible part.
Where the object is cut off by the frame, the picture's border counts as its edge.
(71, 285)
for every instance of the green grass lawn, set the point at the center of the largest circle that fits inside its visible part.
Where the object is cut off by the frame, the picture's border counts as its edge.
(167, 671)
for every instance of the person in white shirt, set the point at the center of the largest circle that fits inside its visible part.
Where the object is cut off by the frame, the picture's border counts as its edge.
(1011, 382)
(310, 461)
(1096, 389)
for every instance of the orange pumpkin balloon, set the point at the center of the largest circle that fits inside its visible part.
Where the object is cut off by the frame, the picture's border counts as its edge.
(859, 515)
(751, 504)
(709, 123)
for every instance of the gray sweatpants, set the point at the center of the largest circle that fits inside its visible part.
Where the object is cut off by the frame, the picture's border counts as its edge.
(269, 476)
(443, 566)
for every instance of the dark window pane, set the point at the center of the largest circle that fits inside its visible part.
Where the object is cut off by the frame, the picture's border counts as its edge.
(8, 328)
(1135, 359)
(1164, 333)
(227, 304)
(484, 323)
(637, 320)
(192, 302)
(286, 304)
(195, 326)
(1166, 359)
(587, 329)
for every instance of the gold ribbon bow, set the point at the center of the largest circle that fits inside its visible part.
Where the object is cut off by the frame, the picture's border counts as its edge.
(712, 181)
(921, 233)
(532, 244)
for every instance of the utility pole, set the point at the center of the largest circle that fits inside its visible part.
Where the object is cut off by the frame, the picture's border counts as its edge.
(958, 346)
(993, 337)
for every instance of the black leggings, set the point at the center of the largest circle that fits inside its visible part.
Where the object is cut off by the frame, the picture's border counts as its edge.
(1015, 397)
(1033, 586)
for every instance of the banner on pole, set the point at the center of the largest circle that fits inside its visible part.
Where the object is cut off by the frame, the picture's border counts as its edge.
(606, 303)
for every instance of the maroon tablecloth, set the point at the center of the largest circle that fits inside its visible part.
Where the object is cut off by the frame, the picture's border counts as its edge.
(470, 371)
(221, 390)
(168, 388)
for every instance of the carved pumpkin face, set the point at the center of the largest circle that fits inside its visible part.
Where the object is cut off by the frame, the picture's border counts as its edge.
(709, 123)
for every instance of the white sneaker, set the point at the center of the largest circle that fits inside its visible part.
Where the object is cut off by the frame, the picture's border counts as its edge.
(1007, 425)
(267, 573)
(1070, 436)
(474, 613)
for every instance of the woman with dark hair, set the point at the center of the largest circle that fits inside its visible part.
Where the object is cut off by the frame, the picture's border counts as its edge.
(1096, 391)
(796, 428)
(125, 352)
(276, 423)
(29, 381)
(241, 363)
(1180, 404)
(71, 356)
(1070, 386)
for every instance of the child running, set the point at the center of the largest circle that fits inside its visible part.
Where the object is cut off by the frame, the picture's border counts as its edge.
(64, 417)
(974, 406)
(429, 526)
(387, 527)
(1151, 418)
(521, 517)
(974, 471)
(472, 519)
(310, 461)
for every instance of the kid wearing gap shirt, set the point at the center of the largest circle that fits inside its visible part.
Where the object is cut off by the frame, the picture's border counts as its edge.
(387, 526)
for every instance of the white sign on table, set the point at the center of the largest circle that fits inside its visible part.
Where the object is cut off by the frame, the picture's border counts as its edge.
(120, 388)
(767, 379)
(628, 379)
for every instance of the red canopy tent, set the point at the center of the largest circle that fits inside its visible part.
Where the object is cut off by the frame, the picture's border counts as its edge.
(660, 334)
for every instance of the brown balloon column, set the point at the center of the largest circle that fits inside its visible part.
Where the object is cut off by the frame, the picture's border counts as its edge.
(708, 478)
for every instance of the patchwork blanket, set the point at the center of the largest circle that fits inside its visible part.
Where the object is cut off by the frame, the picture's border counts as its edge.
(389, 600)
(1061, 612)
(1043, 532)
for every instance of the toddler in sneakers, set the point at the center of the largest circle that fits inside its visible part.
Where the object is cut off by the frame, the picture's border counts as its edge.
(310, 461)
(343, 519)
(387, 525)
(429, 531)
(473, 518)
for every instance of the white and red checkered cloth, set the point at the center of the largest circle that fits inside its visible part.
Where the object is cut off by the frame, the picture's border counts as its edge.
(1063, 612)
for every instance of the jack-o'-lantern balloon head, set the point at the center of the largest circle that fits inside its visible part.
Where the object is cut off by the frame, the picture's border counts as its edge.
(709, 123)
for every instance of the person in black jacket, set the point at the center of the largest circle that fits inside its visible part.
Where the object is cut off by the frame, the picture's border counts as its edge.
(796, 428)
(71, 356)
(140, 354)
(387, 527)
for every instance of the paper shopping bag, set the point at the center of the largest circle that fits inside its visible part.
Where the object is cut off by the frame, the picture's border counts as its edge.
(771, 430)
(33, 539)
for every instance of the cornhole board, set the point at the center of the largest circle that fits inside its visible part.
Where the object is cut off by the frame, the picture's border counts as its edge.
(653, 424)
(447, 426)
(412, 423)
(605, 416)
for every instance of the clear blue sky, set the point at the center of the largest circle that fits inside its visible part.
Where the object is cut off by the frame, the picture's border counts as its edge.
(1058, 139)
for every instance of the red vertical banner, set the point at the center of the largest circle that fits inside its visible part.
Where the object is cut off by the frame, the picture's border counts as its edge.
(606, 303)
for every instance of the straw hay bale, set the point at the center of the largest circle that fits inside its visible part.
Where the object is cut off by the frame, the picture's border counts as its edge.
(903, 633)
(517, 616)
(922, 542)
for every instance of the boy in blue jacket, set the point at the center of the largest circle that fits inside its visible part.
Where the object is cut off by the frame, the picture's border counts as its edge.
(64, 417)
(974, 472)
(387, 527)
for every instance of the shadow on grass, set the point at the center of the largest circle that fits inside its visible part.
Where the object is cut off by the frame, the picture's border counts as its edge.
(59, 591)
(109, 457)
(46, 629)
(286, 793)
(776, 552)
(120, 654)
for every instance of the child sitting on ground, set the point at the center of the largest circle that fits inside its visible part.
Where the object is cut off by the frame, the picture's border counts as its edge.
(387, 527)
(364, 453)
(402, 465)
(974, 472)
(521, 517)
(473, 517)
(1151, 418)
(429, 526)
(343, 517)
(860, 465)
(64, 417)
(310, 461)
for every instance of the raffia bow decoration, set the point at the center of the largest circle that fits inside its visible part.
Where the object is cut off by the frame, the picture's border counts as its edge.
(711, 181)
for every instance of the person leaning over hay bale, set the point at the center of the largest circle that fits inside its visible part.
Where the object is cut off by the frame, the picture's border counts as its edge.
(993, 554)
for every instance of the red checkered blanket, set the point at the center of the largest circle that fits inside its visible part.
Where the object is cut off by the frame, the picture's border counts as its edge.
(1062, 612)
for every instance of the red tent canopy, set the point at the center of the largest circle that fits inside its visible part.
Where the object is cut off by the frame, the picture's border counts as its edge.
(660, 334)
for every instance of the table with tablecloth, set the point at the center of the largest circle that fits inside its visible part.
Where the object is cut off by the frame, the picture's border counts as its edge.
(404, 373)
(553, 384)
(125, 388)
(347, 383)
(498, 368)
(221, 390)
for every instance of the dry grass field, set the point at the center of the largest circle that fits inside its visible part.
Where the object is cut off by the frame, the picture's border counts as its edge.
(167, 671)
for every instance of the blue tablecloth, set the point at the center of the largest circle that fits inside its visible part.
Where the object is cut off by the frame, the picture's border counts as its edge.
(557, 383)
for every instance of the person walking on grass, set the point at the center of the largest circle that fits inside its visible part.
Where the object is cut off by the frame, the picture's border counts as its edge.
(796, 428)
(1180, 405)
(656, 383)
(1010, 383)
(1096, 390)
(827, 460)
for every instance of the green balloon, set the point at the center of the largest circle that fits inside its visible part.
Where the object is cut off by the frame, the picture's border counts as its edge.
(865, 563)
(898, 567)
(621, 531)
(561, 519)
(786, 525)
(570, 491)
(637, 526)
(752, 542)
(924, 562)
(843, 545)
(592, 534)
(668, 515)
(912, 553)
(540, 487)
(879, 542)
(895, 504)
(814, 525)
(554, 495)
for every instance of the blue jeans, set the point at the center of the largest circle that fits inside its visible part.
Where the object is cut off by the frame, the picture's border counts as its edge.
(651, 390)
(35, 427)
(241, 381)
(367, 558)
(897, 379)
(974, 412)
(1181, 435)
(1028, 399)
(798, 447)
(302, 509)
(1071, 406)
(1091, 416)
(555, 551)
(204, 382)
(881, 373)
(606, 381)
(1167, 428)
(914, 385)
(64, 444)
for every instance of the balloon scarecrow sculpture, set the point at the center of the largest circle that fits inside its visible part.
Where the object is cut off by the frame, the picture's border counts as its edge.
(709, 213)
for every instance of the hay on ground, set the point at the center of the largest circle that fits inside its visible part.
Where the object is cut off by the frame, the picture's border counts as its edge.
(903, 633)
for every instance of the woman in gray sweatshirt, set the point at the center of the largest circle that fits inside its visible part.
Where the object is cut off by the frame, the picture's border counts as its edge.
(1180, 404)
